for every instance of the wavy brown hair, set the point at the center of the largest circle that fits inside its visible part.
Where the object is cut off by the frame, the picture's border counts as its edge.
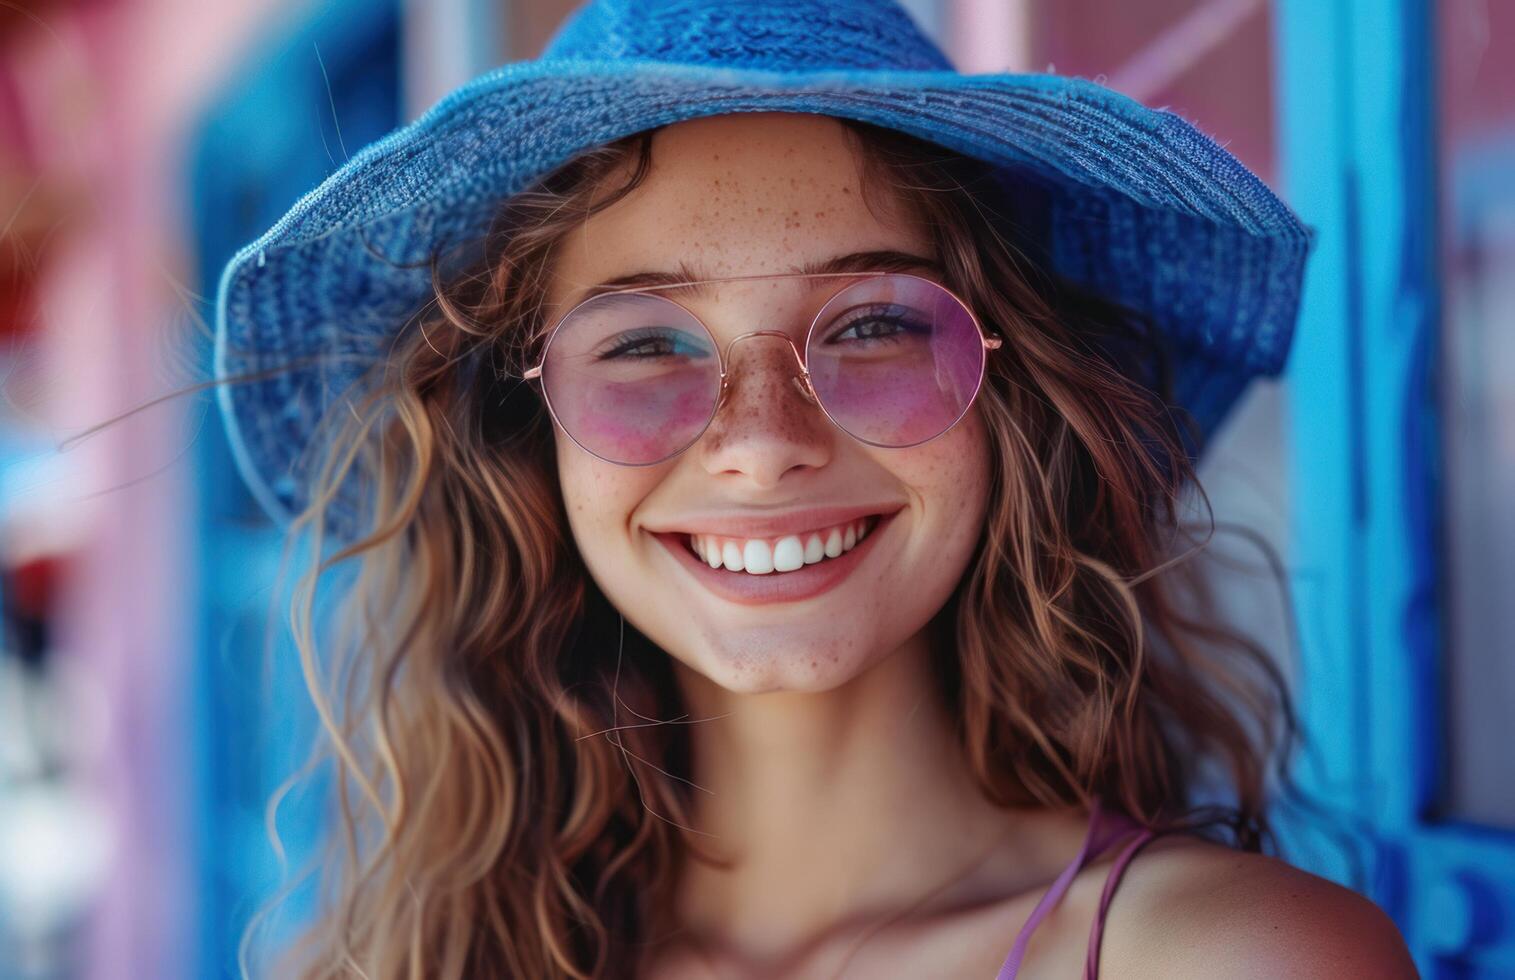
(494, 820)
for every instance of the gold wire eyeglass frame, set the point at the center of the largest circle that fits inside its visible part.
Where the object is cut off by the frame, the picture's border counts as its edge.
(801, 381)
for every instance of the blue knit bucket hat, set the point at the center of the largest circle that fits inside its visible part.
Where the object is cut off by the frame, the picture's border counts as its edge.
(1137, 204)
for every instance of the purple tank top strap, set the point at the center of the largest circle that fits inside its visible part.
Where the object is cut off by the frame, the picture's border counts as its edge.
(1105, 826)
(1096, 933)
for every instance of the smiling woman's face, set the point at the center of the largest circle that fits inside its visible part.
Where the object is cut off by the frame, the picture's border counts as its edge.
(754, 194)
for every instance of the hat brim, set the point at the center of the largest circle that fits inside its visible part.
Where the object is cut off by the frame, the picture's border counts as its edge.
(1138, 205)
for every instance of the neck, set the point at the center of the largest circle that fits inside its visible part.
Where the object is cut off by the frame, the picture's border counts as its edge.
(835, 807)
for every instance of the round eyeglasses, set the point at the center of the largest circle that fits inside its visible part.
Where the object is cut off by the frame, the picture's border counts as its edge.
(634, 378)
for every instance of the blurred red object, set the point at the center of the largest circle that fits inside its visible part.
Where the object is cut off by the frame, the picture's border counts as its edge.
(30, 599)
(33, 585)
(18, 15)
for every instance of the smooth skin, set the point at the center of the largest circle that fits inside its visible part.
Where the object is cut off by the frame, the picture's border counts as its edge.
(828, 771)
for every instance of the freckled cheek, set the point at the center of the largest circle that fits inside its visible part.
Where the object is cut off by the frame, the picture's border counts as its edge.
(951, 475)
(601, 497)
(643, 423)
(669, 396)
(901, 396)
(886, 403)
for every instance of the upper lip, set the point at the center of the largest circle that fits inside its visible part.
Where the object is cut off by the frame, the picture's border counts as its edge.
(772, 525)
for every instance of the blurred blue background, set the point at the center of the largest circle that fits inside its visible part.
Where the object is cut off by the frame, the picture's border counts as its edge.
(146, 718)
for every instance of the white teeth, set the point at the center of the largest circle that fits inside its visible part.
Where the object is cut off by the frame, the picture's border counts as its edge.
(788, 554)
(758, 557)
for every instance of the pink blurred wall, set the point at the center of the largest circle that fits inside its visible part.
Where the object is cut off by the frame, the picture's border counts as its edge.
(108, 92)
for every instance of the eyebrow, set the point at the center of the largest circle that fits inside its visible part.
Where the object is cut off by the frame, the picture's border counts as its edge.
(685, 280)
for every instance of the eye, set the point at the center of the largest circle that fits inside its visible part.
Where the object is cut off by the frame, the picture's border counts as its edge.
(877, 324)
(650, 342)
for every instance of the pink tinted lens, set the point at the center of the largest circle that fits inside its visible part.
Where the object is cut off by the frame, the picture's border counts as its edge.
(633, 378)
(896, 360)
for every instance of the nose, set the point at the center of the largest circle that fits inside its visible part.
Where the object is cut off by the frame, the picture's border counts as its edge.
(767, 422)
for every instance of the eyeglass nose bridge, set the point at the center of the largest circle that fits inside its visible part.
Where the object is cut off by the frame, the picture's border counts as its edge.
(800, 381)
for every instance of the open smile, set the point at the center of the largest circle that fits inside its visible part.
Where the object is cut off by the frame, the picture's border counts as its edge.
(746, 588)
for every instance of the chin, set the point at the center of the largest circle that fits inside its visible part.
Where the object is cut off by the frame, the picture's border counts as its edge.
(764, 665)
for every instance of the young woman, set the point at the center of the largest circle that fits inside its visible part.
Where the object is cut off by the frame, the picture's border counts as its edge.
(761, 557)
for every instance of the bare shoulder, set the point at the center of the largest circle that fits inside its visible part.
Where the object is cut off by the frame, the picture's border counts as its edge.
(1187, 908)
